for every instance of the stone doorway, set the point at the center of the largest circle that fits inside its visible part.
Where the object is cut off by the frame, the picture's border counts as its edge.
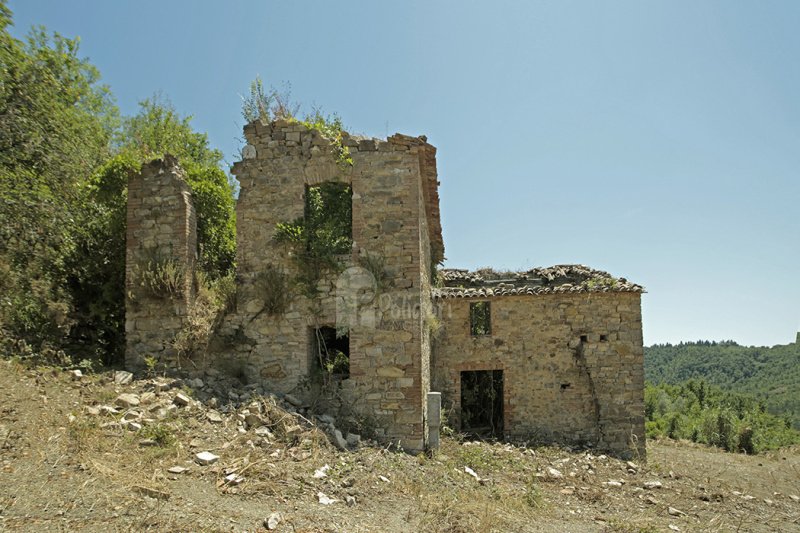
(482, 403)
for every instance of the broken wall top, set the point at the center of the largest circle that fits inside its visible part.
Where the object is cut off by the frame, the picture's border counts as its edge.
(459, 283)
(292, 138)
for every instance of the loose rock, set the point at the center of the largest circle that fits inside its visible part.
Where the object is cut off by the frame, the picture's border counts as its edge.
(121, 377)
(273, 521)
(324, 499)
(293, 400)
(182, 400)
(206, 458)
(127, 400)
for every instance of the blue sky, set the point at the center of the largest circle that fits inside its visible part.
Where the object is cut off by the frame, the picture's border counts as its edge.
(657, 140)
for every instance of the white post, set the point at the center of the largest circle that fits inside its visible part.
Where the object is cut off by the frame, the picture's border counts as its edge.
(434, 419)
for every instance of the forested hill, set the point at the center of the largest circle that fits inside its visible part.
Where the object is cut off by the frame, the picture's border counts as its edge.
(771, 374)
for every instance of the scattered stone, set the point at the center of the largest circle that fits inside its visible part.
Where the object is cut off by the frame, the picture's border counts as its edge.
(147, 397)
(472, 473)
(650, 485)
(567, 492)
(132, 426)
(76, 374)
(350, 501)
(162, 386)
(794, 497)
(122, 377)
(253, 421)
(233, 479)
(214, 416)
(264, 431)
(273, 521)
(195, 383)
(632, 466)
(147, 443)
(385, 479)
(182, 400)
(206, 458)
(338, 440)
(320, 473)
(94, 411)
(353, 440)
(675, 512)
(324, 499)
(613, 483)
(177, 469)
(673, 527)
(131, 415)
(327, 419)
(293, 400)
(651, 500)
(553, 473)
(127, 400)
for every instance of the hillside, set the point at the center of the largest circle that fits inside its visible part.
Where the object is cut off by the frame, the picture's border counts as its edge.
(78, 454)
(769, 374)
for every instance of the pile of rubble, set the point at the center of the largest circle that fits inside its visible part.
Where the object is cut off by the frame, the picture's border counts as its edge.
(219, 401)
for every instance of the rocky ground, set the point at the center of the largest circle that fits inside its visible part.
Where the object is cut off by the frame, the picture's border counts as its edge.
(104, 452)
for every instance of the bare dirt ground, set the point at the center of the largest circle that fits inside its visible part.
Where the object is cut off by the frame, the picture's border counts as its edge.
(66, 467)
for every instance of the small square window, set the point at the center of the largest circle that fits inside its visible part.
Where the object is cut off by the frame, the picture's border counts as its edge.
(480, 319)
(584, 338)
(603, 338)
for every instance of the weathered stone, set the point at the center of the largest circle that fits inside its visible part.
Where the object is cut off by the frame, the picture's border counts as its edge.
(271, 523)
(293, 400)
(122, 377)
(391, 372)
(339, 440)
(206, 458)
(252, 420)
(566, 339)
(182, 400)
(127, 400)
(353, 440)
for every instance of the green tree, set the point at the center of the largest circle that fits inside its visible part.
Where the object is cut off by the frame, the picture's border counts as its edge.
(56, 121)
(99, 262)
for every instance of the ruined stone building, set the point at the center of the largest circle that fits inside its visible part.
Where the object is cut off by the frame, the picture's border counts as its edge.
(551, 354)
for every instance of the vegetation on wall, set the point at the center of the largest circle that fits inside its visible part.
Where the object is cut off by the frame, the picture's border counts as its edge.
(322, 235)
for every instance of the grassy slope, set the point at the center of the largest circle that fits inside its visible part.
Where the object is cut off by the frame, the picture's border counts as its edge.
(64, 468)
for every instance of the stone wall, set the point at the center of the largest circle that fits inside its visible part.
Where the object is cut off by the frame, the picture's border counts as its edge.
(161, 231)
(572, 365)
(392, 183)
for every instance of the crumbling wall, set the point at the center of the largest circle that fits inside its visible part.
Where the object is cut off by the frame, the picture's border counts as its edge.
(572, 362)
(390, 182)
(161, 241)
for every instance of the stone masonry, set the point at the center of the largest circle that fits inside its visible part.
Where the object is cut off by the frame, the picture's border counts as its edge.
(161, 228)
(568, 339)
(570, 347)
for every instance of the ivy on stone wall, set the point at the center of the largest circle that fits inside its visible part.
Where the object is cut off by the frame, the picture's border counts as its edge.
(322, 235)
